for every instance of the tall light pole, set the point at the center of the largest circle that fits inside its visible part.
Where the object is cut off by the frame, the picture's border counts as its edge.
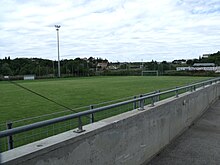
(58, 48)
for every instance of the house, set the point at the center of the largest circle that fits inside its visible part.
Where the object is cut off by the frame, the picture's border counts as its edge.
(179, 61)
(205, 55)
(112, 67)
(101, 66)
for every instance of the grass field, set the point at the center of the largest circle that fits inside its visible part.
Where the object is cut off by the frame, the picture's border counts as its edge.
(17, 103)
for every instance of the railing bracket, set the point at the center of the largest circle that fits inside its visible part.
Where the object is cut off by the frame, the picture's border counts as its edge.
(141, 109)
(79, 130)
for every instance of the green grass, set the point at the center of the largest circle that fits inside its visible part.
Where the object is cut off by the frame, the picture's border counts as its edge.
(17, 103)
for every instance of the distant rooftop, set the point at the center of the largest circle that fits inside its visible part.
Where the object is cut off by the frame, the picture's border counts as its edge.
(206, 55)
(203, 64)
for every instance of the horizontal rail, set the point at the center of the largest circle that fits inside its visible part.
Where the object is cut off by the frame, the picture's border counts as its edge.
(40, 124)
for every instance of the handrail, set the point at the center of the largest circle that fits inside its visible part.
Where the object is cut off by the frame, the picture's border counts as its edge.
(21, 129)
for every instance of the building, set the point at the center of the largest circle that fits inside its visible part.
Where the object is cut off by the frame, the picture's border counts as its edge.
(203, 65)
(200, 67)
(205, 55)
(101, 66)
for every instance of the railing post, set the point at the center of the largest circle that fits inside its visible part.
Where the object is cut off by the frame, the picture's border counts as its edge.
(141, 104)
(158, 97)
(194, 87)
(80, 126)
(135, 103)
(10, 138)
(91, 115)
(152, 101)
(176, 92)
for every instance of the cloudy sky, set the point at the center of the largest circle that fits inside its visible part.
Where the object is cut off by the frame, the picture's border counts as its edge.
(119, 30)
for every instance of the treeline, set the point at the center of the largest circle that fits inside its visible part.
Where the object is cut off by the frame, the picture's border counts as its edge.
(211, 58)
(42, 67)
(77, 67)
(90, 66)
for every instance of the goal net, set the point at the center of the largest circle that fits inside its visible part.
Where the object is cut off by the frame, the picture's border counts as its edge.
(150, 73)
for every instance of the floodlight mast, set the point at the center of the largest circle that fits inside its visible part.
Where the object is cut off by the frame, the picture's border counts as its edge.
(58, 48)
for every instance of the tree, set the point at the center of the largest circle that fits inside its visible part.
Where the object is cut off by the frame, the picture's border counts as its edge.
(6, 70)
(189, 62)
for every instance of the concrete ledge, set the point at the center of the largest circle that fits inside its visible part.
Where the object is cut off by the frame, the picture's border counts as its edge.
(130, 138)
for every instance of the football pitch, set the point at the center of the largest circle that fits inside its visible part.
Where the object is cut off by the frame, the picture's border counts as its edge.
(19, 103)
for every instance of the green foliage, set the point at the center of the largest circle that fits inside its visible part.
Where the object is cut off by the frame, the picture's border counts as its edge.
(213, 58)
(5, 69)
(43, 67)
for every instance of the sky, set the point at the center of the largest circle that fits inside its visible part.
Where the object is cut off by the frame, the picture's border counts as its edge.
(117, 30)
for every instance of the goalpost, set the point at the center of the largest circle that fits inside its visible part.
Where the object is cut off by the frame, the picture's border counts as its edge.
(150, 73)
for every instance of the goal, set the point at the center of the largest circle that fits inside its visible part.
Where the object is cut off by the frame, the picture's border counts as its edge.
(150, 73)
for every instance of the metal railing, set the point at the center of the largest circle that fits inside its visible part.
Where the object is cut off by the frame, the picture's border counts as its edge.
(136, 102)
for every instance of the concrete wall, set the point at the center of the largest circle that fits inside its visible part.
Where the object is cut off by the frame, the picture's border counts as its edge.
(130, 138)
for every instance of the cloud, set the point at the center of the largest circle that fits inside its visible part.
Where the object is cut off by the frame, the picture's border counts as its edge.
(119, 30)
